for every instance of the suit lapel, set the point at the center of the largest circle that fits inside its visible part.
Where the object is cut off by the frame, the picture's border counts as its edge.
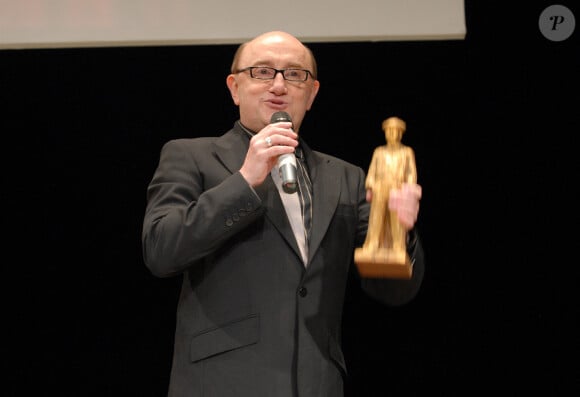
(326, 193)
(230, 150)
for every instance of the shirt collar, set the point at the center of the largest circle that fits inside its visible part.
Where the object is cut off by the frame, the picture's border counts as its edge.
(249, 132)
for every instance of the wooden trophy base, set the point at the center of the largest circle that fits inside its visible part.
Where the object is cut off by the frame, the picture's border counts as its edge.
(383, 263)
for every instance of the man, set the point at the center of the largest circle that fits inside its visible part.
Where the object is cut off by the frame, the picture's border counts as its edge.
(260, 308)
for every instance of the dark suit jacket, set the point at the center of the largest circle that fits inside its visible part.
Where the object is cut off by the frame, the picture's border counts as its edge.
(252, 320)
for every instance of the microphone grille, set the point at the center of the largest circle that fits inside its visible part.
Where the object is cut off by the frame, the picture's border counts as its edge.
(280, 116)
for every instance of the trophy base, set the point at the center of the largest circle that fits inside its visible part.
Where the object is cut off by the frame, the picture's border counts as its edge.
(383, 263)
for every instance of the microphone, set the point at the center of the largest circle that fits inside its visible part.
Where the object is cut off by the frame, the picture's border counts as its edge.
(286, 162)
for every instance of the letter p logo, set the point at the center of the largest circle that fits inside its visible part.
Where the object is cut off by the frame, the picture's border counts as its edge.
(557, 23)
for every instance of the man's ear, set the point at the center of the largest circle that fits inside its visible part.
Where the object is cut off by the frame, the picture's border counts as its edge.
(313, 94)
(233, 87)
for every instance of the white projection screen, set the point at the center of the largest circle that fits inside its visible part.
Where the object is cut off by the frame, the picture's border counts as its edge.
(106, 23)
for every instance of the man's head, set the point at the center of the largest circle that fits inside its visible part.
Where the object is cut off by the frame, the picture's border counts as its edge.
(259, 98)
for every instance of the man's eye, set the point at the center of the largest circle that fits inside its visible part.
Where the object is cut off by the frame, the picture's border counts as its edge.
(264, 71)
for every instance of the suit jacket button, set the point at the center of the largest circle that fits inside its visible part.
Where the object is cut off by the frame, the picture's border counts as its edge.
(302, 291)
(236, 217)
(229, 222)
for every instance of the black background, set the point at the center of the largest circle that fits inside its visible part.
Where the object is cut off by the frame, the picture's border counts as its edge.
(493, 120)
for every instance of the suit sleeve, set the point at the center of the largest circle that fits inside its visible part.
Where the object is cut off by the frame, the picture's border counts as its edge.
(185, 220)
(396, 292)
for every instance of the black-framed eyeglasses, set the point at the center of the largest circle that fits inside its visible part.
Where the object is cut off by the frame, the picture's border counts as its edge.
(267, 73)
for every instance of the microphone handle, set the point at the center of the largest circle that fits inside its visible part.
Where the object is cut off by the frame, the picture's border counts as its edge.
(287, 170)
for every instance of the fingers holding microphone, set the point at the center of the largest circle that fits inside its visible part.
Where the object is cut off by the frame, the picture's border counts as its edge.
(265, 148)
(279, 134)
(276, 139)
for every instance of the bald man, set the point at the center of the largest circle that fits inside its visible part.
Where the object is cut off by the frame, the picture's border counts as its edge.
(264, 271)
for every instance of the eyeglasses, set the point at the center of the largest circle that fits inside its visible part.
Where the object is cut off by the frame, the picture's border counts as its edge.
(266, 73)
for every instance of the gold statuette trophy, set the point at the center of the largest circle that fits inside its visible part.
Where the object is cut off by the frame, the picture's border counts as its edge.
(384, 252)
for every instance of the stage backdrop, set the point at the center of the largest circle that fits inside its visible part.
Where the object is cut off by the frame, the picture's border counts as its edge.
(73, 23)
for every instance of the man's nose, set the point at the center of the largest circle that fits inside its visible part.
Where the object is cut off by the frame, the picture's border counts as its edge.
(279, 83)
